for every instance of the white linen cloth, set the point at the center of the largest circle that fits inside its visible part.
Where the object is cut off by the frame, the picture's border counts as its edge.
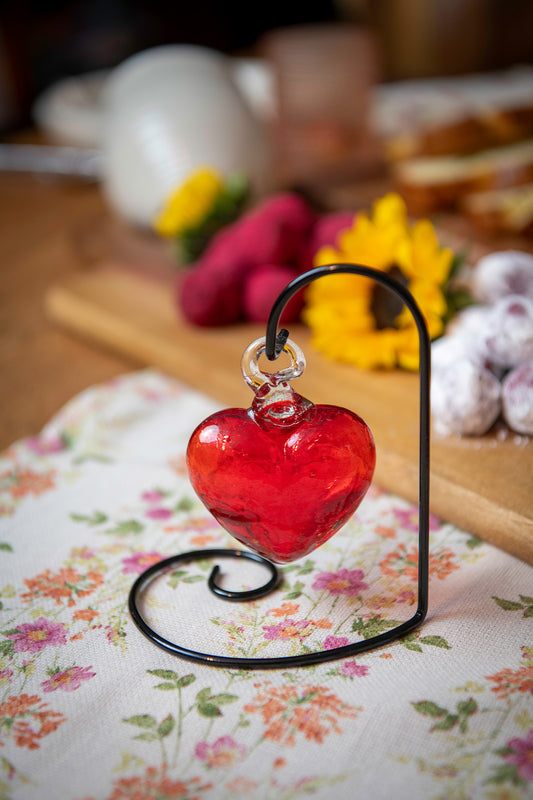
(90, 709)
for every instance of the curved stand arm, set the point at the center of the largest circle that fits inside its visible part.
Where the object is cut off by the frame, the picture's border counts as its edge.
(274, 346)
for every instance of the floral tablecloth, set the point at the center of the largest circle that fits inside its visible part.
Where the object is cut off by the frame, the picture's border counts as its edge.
(89, 708)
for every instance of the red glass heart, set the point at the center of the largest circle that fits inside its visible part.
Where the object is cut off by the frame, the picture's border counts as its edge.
(282, 477)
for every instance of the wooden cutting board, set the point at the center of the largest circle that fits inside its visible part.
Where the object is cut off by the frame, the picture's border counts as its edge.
(484, 484)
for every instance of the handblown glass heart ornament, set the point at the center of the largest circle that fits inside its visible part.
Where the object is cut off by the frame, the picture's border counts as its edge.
(283, 475)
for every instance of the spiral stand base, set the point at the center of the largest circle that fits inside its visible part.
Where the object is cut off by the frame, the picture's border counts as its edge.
(274, 345)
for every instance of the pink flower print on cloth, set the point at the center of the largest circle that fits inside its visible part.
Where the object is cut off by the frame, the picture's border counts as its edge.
(331, 642)
(224, 752)
(290, 629)
(521, 755)
(32, 637)
(138, 562)
(345, 581)
(68, 679)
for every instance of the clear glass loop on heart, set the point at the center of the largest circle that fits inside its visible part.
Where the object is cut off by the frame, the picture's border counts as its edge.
(256, 378)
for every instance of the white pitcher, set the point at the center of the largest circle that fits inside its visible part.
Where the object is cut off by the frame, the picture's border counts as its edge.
(168, 110)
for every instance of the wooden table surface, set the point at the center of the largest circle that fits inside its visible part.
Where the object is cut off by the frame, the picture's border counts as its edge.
(44, 228)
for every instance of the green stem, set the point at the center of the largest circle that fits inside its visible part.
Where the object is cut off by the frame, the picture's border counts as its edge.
(164, 759)
(251, 637)
(179, 729)
(477, 758)
(490, 740)
(353, 611)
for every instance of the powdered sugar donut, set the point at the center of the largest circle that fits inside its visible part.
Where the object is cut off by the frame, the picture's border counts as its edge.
(503, 273)
(469, 322)
(465, 398)
(446, 350)
(467, 336)
(508, 339)
(517, 398)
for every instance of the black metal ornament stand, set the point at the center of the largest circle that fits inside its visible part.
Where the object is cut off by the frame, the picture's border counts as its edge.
(274, 346)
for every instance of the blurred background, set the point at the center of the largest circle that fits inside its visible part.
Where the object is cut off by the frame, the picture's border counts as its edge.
(44, 41)
(340, 100)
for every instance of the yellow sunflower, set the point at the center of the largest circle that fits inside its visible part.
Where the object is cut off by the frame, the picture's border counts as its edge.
(187, 205)
(359, 321)
(197, 209)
